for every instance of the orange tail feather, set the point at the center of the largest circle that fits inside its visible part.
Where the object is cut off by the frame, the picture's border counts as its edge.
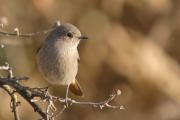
(76, 88)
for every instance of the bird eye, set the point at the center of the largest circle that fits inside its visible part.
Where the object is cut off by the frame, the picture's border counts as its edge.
(70, 35)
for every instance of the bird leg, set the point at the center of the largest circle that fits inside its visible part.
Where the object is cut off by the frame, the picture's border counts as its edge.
(66, 98)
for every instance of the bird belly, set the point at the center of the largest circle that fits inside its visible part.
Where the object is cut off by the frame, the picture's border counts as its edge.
(68, 70)
(58, 68)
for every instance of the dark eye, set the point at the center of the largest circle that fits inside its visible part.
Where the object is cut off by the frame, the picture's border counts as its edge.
(70, 35)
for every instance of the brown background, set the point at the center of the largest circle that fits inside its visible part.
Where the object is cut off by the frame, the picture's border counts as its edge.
(134, 46)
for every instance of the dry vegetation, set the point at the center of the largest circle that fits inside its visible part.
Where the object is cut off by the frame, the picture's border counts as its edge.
(134, 46)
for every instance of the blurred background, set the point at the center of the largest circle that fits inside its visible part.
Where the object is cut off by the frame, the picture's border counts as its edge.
(133, 46)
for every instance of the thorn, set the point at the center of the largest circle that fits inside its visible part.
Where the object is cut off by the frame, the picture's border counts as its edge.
(118, 92)
(17, 31)
(2, 45)
(2, 25)
(101, 107)
(65, 106)
(121, 107)
(58, 23)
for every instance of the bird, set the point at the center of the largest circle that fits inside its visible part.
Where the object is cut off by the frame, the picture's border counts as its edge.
(58, 58)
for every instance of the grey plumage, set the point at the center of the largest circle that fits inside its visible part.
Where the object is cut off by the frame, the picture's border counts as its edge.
(58, 56)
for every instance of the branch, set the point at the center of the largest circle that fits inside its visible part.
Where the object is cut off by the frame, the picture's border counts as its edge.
(101, 105)
(14, 102)
(23, 91)
(29, 94)
(25, 35)
(17, 32)
(11, 91)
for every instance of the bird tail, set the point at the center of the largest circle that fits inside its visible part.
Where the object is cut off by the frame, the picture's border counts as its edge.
(76, 88)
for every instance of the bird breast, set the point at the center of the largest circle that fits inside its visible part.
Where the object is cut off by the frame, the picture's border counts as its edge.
(58, 64)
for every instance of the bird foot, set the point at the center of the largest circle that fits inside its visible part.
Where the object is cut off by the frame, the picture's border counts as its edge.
(66, 102)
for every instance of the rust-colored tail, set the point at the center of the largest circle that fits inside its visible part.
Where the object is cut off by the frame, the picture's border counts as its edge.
(76, 88)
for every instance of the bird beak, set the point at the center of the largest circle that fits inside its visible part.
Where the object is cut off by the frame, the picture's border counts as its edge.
(83, 38)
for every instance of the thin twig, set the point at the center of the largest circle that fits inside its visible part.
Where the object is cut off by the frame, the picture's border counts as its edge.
(101, 105)
(14, 102)
(59, 113)
(17, 32)
(11, 91)
(25, 35)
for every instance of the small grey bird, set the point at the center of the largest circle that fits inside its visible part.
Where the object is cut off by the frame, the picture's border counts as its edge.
(58, 57)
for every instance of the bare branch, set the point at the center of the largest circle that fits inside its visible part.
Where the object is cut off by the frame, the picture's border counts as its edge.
(14, 102)
(29, 94)
(103, 104)
(11, 91)
(25, 35)
(23, 91)
(17, 32)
